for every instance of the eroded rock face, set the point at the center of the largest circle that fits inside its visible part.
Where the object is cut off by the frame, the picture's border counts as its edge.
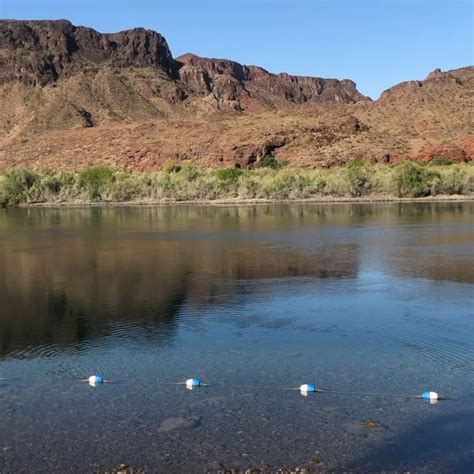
(446, 78)
(40, 52)
(231, 81)
(455, 152)
(43, 52)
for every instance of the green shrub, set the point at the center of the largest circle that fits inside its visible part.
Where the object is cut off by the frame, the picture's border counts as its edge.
(70, 186)
(412, 180)
(228, 174)
(249, 185)
(406, 179)
(97, 180)
(45, 188)
(269, 161)
(3, 193)
(456, 181)
(53, 184)
(336, 183)
(189, 171)
(170, 166)
(127, 187)
(283, 184)
(441, 161)
(318, 185)
(359, 177)
(16, 185)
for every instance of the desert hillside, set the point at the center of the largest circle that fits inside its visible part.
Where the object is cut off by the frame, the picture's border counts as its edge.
(71, 97)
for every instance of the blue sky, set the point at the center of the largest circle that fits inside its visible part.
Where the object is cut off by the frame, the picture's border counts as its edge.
(377, 43)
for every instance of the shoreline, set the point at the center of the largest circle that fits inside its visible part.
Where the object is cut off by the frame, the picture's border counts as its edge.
(249, 202)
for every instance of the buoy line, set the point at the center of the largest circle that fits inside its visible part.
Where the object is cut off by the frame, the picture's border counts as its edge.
(305, 389)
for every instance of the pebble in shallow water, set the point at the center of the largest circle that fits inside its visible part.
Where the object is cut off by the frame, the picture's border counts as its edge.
(179, 423)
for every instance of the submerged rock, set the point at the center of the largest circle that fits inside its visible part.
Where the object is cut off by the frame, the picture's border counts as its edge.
(179, 423)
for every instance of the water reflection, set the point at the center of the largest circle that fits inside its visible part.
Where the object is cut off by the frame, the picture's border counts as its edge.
(72, 276)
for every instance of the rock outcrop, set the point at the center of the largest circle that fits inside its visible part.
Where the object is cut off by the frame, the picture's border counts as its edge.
(42, 52)
(45, 52)
(454, 79)
(241, 86)
(460, 151)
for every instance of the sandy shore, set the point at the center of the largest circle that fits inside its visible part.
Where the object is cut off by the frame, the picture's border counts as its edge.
(248, 202)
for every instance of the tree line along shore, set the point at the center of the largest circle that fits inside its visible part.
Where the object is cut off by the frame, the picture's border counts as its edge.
(273, 180)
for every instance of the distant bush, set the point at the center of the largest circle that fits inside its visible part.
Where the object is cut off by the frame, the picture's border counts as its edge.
(16, 185)
(413, 180)
(316, 184)
(283, 184)
(97, 181)
(46, 186)
(456, 181)
(170, 166)
(127, 187)
(441, 161)
(189, 171)
(269, 161)
(407, 179)
(359, 176)
(249, 186)
(336, 183)
(228, 174)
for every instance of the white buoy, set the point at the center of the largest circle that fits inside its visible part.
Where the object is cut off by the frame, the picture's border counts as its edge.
(95, 380)
(192, 384)
(429, 396)
(307, 388)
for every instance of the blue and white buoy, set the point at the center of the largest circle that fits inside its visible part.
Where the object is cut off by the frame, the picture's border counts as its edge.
(308, 388)
(192, 384)
(430, 396)
(95, 380)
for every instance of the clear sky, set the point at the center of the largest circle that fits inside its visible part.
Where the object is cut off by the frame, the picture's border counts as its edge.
(377, 43)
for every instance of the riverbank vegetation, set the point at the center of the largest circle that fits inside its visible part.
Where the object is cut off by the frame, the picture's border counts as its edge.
(273, 180)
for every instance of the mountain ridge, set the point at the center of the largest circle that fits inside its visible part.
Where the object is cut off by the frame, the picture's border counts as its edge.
(65, 87)
(59, 48)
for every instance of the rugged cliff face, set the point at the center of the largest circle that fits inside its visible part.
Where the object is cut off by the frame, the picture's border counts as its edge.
(42, 52)
(71, 96)
(247, 87)
(45, 52)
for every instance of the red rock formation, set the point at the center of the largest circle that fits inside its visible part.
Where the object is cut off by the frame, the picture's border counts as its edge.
(231, 81)
(461, 151)
(43, 52)
(72, 96)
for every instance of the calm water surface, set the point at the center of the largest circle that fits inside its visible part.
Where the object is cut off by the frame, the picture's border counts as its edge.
(356, 298)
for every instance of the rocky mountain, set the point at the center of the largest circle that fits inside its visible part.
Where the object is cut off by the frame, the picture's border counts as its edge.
(42, 52)
(48, 52)
(72, 96)
(248, 87)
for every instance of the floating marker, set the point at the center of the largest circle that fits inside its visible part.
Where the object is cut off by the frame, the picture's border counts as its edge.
(193, 383)
(308, 388)
(95, 380)
(305, 389)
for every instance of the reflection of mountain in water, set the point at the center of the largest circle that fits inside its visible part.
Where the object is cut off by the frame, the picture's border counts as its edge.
(71, 276)
(63, 282)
